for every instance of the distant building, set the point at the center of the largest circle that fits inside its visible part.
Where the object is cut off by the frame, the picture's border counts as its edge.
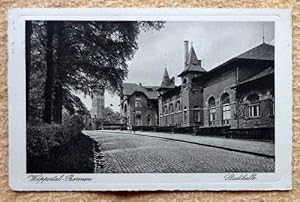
(238, 94)
(139, 105)
(97, 104)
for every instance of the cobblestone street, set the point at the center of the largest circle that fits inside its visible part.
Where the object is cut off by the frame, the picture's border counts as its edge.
(129, 153)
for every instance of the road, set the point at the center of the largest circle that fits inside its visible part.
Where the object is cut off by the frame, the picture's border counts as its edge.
(130, 153)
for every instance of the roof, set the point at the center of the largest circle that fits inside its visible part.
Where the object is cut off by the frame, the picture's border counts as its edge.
(149, 91)
(262, 52)
(192, 64)
(166, 81)
(262, 74)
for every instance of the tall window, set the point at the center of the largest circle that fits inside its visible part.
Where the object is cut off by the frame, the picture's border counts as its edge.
(171, 110)
(185, 114)
(226, 109)
(125, 110)
(254, 106)
(149, 120)
(165, 110)
(196, 113)
(138, 102)
(212, 110)
(178, 105)
(138, 120)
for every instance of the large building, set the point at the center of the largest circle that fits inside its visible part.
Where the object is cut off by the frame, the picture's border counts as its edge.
(139, 106)
(238, 94)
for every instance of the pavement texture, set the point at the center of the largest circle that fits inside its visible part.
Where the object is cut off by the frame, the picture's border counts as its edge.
(130, 153)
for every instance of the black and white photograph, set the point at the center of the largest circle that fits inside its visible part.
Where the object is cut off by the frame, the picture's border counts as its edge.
(159, 96)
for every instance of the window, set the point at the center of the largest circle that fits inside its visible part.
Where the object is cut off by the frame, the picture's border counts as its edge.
(185, 114)
(138, 120)
(165, 110)
(149, 120)
(138, 102)
(212, 110)
(254, 106)
(178, 105)
(125, 110)
(226, 109)
(196, 113)
(171, 108)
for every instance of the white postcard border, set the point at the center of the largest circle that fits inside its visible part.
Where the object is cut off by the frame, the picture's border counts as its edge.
(280, 180)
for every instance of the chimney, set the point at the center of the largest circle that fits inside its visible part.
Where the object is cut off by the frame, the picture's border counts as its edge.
(140, 84)
(186, 52)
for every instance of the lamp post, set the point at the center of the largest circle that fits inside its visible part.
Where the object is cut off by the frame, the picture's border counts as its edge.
(133, 124)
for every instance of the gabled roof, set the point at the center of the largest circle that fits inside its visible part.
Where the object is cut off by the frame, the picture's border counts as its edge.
(149, 91)
(266, 72)
(261, 52)
(192, 64)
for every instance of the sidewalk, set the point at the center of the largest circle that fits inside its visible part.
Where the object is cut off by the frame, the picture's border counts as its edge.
(247, 146)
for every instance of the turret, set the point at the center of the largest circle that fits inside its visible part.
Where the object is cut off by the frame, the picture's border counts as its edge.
(192, 66)
(166, 82)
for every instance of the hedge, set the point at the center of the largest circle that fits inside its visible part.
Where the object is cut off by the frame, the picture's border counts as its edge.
(42, 139)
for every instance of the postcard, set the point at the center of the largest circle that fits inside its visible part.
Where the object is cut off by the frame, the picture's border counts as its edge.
(142, 99)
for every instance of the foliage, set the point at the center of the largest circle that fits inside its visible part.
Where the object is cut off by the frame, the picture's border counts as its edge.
(111, 117)
(43, 138)
(72, 56)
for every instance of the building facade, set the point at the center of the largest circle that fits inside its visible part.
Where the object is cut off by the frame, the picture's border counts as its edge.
(139, 105)
(238, 94)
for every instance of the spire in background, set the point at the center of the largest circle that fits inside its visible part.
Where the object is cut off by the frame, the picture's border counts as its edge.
(166, 79)
(263, 32)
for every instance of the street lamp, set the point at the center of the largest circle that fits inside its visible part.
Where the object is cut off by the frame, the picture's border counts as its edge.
(132, 129)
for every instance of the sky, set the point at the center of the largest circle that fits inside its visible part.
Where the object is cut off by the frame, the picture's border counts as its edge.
(213, 42)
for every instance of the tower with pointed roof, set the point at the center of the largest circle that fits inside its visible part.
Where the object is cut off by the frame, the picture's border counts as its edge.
(166, 82)
(192, 66)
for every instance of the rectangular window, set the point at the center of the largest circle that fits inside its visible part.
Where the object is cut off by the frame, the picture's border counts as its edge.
(254, 111)
(226, 113)
(138, 120)
(138, 103)
(212, 116)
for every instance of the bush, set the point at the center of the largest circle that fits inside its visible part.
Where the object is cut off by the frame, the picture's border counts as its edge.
(42, 139)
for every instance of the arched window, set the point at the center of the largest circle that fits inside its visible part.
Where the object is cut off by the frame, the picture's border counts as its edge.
(165, 110)
(178, 105)
(254, 105)
(212, 110)
(149, 120)
(185, 114)
(171, 108)
(226, 109)
(125, 110)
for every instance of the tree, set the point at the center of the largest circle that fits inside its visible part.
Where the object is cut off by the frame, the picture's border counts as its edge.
(111, 117)
(84, 56)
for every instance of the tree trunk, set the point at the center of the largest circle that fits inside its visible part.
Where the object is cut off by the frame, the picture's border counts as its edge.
(58, 103)
(50, 73)
(58, 100)
(28, 31)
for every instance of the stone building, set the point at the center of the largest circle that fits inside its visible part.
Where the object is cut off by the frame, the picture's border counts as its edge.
(180, 106)
(139, 105)
(238, 94)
